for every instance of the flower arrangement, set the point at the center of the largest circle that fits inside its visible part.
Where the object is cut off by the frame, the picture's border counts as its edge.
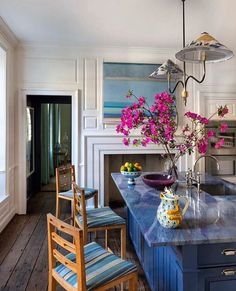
(158, 123)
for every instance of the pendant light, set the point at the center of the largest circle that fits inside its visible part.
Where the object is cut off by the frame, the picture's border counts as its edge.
(202, 50)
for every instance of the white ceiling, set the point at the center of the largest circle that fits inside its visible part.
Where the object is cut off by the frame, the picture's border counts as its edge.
(152, 23)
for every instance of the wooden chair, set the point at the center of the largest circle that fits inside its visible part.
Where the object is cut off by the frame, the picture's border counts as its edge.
(96, 219)
(65, 176)
(83, 267)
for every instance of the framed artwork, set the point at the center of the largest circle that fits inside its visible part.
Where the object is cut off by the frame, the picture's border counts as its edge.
(29, 141)
(119, 78)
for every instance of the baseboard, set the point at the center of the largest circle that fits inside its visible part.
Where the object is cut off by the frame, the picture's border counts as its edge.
(6, 219)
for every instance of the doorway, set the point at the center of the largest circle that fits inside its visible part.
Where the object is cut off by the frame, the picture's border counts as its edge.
(49, 135)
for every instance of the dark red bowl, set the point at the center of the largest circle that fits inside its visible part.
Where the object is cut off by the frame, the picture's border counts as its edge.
(158, 180)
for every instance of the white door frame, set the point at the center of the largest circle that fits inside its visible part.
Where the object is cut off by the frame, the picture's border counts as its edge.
(21, 196)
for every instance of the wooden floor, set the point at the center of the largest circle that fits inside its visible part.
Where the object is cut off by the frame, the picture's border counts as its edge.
(23, 248)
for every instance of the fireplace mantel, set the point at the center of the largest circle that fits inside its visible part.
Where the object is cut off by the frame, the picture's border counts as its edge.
(96, 147)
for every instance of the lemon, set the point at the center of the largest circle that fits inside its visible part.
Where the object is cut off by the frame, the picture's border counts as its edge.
(126, 164)
(123, 168)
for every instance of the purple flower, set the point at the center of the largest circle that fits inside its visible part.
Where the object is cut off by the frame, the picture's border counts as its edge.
(210, 133)
(223, 127)
(222, 110)
(202, 146)
(135, 141)
(141, 101)
(191, 115)
(157, 124)
(219, 144)
(126, 141)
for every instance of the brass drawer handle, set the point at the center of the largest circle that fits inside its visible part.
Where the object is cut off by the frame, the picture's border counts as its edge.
(229, 272)
(229, 252)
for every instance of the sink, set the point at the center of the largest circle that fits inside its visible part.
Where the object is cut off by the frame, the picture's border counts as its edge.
(219, 189)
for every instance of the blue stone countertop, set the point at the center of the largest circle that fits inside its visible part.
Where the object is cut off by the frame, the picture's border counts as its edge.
(210, 220)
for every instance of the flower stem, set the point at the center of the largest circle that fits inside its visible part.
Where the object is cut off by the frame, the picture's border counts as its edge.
(171, 159)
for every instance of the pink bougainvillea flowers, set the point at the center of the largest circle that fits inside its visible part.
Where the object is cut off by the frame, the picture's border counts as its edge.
(219, 143)
(222, 110)
(223, 127)
(157, 123)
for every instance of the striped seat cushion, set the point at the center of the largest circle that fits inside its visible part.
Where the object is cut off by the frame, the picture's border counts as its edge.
(101, 267)
(103, 216)
(89, 192)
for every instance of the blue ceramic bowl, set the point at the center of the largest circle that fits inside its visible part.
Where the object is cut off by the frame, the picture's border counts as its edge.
(131, 176)
(158, 180)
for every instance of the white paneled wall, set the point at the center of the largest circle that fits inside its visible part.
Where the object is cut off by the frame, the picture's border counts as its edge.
(60, 69)
(49, 70)
(57, 69)
(215, 99)
(7, 199)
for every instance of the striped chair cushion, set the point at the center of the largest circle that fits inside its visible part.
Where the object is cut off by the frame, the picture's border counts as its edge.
(103, 216)
(101, 267)
(89, 192)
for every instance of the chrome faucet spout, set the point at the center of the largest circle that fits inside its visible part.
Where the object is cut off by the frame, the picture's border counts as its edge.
(206, 156)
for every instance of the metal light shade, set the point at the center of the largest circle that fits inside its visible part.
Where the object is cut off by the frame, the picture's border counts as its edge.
(204, 48)
(167, 68)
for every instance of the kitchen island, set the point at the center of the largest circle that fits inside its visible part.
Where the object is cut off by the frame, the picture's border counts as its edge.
(200, 254)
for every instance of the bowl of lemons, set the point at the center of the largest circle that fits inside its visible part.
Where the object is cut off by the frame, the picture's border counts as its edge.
(131, 171)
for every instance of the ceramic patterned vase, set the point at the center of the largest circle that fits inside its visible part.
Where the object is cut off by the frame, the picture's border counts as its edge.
(169, 213)
(131, 176)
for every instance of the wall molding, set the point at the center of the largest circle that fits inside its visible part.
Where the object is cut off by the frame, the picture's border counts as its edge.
(75, 105)
(49, 49)
(7, 211)
(7, 34)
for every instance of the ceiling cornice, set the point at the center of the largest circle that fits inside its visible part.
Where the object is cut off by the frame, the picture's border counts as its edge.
(7, 34)
(35, 46)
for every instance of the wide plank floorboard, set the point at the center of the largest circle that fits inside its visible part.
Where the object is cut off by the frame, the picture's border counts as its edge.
(10, 262)
(23, 248)
(10, 234)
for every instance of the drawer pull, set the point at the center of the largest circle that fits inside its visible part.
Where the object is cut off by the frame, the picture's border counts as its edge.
(229, 272)
(229, 252)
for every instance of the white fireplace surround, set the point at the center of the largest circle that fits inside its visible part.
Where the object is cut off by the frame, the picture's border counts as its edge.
(96, 147)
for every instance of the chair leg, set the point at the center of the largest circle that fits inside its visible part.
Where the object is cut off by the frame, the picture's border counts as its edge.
(123, 242)
(51, 283)
(133, 283)
(57, 207)
(72, 212)
(85, 237)
(96, 200)
(95, 197)
(106, 239)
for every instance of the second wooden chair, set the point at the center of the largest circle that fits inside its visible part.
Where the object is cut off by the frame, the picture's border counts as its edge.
(96, 219)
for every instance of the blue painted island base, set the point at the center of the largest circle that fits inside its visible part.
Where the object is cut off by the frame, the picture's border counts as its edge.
(205, 267)
(200, 255)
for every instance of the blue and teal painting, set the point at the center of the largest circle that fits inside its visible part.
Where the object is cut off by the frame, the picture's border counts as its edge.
(120, 77)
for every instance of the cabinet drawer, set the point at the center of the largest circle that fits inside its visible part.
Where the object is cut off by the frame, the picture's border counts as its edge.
(217, 279)
(216, 254)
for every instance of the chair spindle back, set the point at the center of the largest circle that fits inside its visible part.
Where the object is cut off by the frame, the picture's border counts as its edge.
(65, 176)
(79, 203)
(55, 229)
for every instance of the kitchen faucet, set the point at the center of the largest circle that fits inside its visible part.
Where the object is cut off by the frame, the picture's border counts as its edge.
(206, 156)
(193, 176)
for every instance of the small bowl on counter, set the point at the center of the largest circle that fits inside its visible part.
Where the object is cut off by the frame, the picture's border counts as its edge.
(131, 176)
(158, 180)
